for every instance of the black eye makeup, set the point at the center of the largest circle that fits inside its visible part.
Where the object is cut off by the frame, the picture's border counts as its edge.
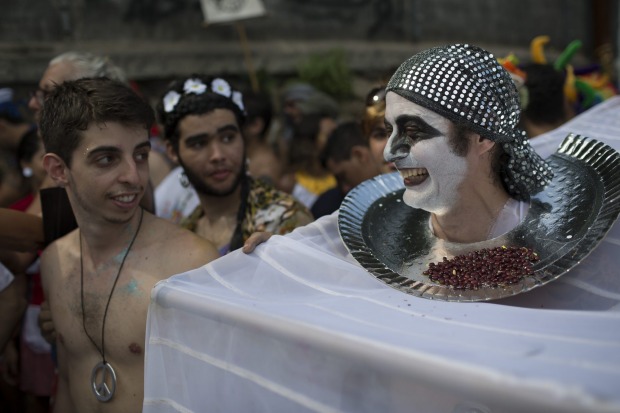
(416, 128)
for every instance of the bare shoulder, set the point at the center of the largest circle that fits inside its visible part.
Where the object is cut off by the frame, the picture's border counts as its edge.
(56, 256)
(178, 250)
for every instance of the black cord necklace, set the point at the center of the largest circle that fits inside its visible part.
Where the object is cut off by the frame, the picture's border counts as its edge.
(100, 372)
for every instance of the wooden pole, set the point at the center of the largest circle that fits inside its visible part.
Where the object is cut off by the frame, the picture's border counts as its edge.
(247, 56)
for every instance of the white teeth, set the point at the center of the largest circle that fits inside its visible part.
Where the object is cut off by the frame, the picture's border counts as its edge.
(126, 198)
(413, 172)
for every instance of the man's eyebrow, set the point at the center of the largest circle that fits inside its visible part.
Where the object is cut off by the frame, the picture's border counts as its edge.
(102, 149)
(228, 128)
(199, 136)
(425, 128)
(114, 149)
(144, 144)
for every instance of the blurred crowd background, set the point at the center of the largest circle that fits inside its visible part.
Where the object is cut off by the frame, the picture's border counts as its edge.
(312, 75)
(156, 40)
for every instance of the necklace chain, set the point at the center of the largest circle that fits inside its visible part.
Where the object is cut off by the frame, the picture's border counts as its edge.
(105, 312)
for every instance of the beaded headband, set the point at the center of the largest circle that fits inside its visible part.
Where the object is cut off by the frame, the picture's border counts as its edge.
(467, 85)
(194, 95)
(197, 87)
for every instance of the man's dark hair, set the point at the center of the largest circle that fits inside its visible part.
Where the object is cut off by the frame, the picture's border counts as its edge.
(258, 105)
(193, 104)
(459, 143)
(341, 141)
(545, 87)
(73, 106)
(303, 151)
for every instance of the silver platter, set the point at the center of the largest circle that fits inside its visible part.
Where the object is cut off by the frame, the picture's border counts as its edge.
(564, 224)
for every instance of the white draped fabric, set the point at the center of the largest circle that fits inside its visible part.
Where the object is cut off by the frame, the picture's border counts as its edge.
(299, 326)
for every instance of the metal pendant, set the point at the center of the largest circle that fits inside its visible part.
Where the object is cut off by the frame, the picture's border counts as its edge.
(99, 381)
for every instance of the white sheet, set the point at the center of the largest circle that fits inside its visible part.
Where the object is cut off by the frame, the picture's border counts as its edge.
(298, 326)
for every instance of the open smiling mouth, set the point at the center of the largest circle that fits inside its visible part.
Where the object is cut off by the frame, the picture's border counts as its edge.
(413, 176)
(126, 200)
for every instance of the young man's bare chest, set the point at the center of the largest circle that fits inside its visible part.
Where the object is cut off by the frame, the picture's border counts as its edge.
(80, 307)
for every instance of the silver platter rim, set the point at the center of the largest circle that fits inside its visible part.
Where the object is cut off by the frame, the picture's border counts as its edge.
(570, 242)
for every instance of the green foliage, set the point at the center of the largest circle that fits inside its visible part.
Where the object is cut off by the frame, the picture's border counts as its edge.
(329, 73)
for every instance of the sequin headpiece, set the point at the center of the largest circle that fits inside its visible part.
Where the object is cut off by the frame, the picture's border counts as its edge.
(467, 85)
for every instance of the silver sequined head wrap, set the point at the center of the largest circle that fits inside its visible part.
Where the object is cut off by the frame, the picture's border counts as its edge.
(467, 85)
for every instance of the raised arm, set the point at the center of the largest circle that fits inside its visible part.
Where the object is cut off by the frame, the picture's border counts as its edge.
(20, 231)
(12, 306)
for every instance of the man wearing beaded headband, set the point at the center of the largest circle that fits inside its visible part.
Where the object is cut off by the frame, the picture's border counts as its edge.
(203, 119)
(97, 279)
(452, 114)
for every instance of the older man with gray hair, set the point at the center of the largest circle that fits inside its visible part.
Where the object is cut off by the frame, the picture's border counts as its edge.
(72, 66)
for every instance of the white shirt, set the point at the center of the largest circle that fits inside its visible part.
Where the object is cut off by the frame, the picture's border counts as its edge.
(173, 201)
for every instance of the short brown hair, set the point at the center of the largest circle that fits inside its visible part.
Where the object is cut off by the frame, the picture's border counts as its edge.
(459, 143)
(74, 105)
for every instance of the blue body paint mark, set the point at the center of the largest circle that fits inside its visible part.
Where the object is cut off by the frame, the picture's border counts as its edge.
(132, 288)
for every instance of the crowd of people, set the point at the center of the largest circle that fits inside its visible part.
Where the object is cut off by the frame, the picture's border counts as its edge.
(157, 191)
(205, 164)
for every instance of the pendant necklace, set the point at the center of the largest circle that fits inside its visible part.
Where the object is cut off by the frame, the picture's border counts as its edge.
(99, 376)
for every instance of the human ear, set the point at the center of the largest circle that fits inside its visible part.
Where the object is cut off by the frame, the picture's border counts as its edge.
(56, 169)
(482, 145)
(172, 154)
(360, 153)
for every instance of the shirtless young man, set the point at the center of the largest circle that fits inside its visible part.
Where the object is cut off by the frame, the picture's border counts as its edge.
(98, 278)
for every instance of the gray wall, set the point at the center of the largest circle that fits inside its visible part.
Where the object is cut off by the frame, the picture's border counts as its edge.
(159, 39)
(506, 22)
(163, 38)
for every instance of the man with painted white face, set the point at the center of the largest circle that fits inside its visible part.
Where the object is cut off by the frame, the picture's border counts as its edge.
(452, 113)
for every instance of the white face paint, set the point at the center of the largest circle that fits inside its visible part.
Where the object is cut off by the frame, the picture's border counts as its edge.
(419, 146)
